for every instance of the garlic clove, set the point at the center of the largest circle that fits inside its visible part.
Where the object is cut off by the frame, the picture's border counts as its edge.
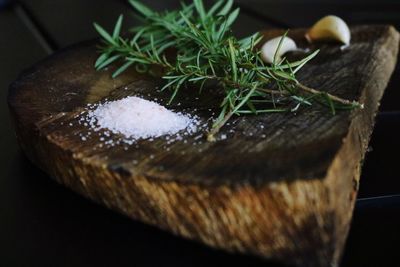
(268, 50)
(331, 28)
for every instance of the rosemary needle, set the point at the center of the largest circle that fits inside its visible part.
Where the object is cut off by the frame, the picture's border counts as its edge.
(207, 51)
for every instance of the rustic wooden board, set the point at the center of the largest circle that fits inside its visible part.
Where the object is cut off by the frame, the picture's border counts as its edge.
(285, 191)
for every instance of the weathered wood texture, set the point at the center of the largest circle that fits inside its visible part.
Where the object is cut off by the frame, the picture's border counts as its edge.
(287, 196)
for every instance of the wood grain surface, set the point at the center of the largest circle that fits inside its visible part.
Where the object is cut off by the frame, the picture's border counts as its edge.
(285, 191)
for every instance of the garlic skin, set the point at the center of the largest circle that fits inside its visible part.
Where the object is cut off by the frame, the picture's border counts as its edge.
(268, 50)
(330, 28)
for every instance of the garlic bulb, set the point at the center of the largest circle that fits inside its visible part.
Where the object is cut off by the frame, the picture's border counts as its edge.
(330, 28)
(268, 50)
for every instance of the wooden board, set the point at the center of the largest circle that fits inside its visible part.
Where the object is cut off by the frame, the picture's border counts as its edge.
(285, 191)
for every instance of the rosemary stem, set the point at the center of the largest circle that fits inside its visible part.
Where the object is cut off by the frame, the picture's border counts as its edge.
(273, 92)
(216, 127)
(332, 97)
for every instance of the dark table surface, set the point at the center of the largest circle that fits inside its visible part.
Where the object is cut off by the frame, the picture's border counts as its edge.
(44, 224)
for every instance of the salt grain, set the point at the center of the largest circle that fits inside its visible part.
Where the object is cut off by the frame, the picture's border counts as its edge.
(137, 118)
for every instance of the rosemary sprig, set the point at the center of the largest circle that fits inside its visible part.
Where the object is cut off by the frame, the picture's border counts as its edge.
(206, 51)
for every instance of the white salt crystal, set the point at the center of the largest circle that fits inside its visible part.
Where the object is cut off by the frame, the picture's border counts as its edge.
(138, 118)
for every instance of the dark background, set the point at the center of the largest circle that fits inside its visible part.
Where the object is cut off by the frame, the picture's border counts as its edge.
(44, 224)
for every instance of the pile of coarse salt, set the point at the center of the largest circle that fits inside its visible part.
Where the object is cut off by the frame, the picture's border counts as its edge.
(137, 118)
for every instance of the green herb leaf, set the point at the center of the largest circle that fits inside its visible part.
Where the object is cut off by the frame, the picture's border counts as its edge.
(233, 60)
(279, 47)
(117, 28)
(226, 8)
(108, 61)
(142, 9)
(122, 68)
(232, 17)
(103, 57)
(200, 9)
(214, 8)
(104, 34)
